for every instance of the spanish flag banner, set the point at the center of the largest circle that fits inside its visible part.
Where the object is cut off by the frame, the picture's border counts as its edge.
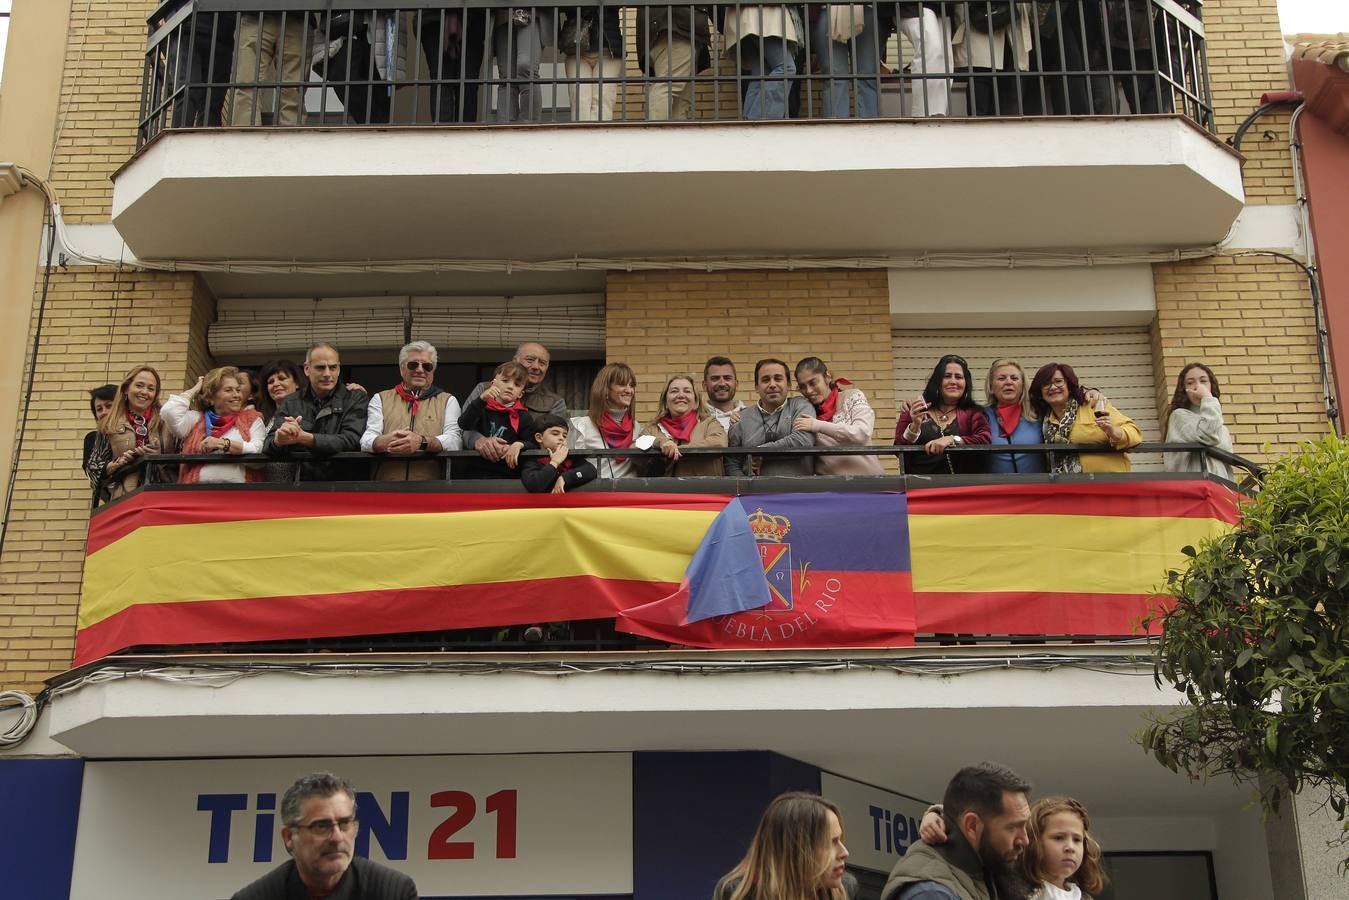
(1083, 558)
(176, 567)
(182, 567)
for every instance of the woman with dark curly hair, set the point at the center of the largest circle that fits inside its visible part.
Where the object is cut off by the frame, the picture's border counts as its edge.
(1067, 417)
(945, 416)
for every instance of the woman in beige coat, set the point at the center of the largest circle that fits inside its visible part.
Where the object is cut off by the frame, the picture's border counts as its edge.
(684, 422)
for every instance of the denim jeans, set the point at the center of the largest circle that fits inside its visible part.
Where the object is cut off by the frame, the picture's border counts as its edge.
(769, 63)
(833, 59)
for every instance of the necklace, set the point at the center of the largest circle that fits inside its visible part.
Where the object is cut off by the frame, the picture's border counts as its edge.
(944, 419)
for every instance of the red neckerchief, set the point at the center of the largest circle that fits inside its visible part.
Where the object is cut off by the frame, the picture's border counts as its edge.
(825, 411)
(1009, 417)
(616, 434)
(566, 466)
(142, 422)
(217, 425)
(513, 410)
(414, 400)
(681, 427)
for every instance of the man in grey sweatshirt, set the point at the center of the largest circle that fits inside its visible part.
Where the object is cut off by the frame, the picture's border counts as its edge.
(769, 424)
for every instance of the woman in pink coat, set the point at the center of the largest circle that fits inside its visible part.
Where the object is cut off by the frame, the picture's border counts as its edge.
(843, 418)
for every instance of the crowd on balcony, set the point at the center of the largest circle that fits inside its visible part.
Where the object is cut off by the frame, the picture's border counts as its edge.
(1064, 57)
(307, 416)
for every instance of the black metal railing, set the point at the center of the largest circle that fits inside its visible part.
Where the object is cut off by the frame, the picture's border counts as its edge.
(302, 63)
(157, 469)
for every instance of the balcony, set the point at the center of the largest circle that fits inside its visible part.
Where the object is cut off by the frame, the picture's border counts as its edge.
(342, 161)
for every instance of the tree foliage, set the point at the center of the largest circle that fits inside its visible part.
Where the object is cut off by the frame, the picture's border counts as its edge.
(1258, 639)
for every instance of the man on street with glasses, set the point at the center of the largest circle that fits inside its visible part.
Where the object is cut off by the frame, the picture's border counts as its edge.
(413, 417)
(318, 815)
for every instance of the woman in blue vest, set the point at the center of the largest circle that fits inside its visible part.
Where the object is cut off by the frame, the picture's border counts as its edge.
(1011, 419)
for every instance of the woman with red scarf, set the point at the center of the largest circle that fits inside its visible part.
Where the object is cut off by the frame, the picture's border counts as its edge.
(220, 425)
(684, 422)
(130, 430)
(843, 418)
(610, 422)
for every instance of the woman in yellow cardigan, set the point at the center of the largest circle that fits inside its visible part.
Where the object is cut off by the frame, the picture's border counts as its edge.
(1067, 418)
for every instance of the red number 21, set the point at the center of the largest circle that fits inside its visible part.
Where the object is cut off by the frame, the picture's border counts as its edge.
(502, 804)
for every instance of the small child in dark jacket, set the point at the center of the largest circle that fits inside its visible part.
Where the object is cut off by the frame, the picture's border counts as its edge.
(500, 413)
(557, 472)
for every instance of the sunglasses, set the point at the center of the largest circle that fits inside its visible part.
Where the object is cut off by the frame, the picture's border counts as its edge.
(415, 364)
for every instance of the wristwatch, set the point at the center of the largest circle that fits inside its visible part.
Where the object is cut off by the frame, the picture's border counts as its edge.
(425, 442)
(957, 439)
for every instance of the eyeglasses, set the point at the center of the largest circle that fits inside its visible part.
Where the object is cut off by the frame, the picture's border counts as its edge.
(324, 827)
(1058, 382)
(415, 364)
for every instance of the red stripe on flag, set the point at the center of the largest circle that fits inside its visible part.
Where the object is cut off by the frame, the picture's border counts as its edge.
(364, 612)
(1026, 612)
(193, 507)
(839, 609)
(1170, 499)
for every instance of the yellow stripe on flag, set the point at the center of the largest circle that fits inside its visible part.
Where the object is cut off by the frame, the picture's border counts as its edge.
(345, 554)
(1063, 554)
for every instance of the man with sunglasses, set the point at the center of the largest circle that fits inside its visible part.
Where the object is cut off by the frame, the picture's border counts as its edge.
(413, 417)
(318, 815)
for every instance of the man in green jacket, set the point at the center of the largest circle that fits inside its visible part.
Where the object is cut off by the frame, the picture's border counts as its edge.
(986, 814)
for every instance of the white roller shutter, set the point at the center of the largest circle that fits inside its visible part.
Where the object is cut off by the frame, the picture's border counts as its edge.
(1118, 360)
(558, 321)
(289, 326)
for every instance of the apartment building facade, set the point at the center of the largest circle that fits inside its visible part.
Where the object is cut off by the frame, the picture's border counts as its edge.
(1125, 244)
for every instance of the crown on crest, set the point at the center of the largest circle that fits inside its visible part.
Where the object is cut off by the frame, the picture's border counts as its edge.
(769, 528)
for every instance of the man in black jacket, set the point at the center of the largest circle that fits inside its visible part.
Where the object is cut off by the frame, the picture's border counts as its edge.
(323, 419)
(319, 816)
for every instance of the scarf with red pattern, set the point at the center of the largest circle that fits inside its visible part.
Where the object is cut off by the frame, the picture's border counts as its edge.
(513, 411)
(414, 401)
(618, 434)
(825, 411)
(680, 428)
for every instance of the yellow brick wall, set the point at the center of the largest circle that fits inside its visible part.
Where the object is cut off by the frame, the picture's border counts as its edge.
(1250, 320)
(662, 323)
(1246, 59)
(98, 324)
(100, 101)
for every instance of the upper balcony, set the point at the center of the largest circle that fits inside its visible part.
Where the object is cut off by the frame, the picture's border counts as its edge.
(392, 132)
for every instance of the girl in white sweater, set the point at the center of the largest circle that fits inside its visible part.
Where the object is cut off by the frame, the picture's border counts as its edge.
(1062, 860)
(1197, 418)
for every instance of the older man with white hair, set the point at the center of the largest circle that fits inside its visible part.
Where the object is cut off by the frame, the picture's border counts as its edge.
(414, 416)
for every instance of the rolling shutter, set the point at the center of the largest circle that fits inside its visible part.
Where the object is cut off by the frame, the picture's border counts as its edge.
(289, 326)
(559, 321)
(1117, 360)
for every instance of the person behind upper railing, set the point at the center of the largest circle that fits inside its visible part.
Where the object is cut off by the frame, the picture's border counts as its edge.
(414, 416)
(765, 40)
(269, 46)
(611, 421)
(768, 424)
(518, 39)
(991, 41)
(324, 418)
(499, 413)
(592, 44)
(1011, 420)
(945, 416)
(218, 424)
(843, 418)
(130, 430)
(844, 42)
(1197, 418)
(1067, 416)
(672, 45)
(927, 25)
(100, 401)
(684, 422)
